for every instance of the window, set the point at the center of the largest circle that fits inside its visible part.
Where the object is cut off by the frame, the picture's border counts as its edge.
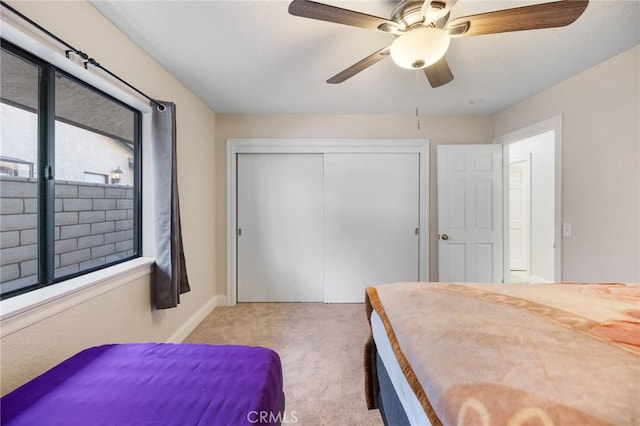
(15, 167)
(69, 175)
(96, 177)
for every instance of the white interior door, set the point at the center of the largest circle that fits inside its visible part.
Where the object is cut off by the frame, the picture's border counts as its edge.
(519, 215)
(371, 221)
(279, 227)
(470, 227)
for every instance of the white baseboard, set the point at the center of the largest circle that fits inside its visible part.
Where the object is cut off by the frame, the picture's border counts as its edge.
(195, 319)
(221, 300)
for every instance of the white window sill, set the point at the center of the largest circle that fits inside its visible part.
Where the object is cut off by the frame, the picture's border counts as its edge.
(21, 311)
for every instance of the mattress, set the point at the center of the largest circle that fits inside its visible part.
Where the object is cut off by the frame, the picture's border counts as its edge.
(511, 354)
(410, 404)
(167, 384)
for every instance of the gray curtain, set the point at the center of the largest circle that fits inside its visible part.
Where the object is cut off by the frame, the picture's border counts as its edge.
(171, 271)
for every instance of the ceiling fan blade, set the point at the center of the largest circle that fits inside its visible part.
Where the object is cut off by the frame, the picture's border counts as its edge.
(439, 73)
(544, 15)
(325, 12)
(359, 66)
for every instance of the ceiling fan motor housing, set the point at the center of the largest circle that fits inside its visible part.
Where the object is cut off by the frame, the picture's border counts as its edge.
(409, 13)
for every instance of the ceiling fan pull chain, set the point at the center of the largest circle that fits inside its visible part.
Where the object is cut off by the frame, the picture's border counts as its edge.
(418, 99)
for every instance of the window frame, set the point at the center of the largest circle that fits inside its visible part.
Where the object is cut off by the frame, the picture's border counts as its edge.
(46, 166)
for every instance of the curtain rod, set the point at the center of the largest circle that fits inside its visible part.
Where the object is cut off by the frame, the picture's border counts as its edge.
(87, 59)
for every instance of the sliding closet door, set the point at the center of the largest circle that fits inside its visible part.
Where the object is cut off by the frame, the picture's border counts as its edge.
(280, 227)
(371, 218)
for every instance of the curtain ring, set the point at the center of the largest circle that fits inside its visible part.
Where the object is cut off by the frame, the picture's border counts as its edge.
(161, 107)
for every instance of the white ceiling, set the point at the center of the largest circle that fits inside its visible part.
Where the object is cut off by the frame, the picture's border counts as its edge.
(252, 57)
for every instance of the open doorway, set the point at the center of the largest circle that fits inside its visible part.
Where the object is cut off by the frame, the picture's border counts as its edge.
(531, 209)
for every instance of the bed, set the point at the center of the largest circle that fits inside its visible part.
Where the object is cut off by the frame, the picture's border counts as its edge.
(161, 384)
(511, 354)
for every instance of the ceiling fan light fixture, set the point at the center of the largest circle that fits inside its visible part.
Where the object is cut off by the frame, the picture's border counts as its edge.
(420, 47)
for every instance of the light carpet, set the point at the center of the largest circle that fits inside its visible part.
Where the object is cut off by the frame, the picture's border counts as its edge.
(321, 348)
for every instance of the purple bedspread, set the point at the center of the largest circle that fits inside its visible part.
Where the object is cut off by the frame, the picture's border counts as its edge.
(152, 384)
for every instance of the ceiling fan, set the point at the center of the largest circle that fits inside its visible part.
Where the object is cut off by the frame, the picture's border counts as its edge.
(423, 30)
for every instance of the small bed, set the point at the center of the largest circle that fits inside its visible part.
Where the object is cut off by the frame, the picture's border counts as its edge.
(516, 354)
(162, 384)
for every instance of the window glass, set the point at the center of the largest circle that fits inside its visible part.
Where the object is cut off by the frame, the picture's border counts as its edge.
(18, 187)
(95, 222)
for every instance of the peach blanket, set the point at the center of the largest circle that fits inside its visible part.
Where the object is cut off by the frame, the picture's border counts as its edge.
(516, 354)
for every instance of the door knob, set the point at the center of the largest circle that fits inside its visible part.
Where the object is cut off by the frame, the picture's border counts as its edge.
(445, 237)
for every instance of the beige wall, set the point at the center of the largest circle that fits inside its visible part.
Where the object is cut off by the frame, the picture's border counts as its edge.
(601, 165)
(440, 130)
(124, 314)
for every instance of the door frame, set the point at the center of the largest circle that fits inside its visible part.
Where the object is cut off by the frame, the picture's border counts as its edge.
(553, 124)
(322, 146)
